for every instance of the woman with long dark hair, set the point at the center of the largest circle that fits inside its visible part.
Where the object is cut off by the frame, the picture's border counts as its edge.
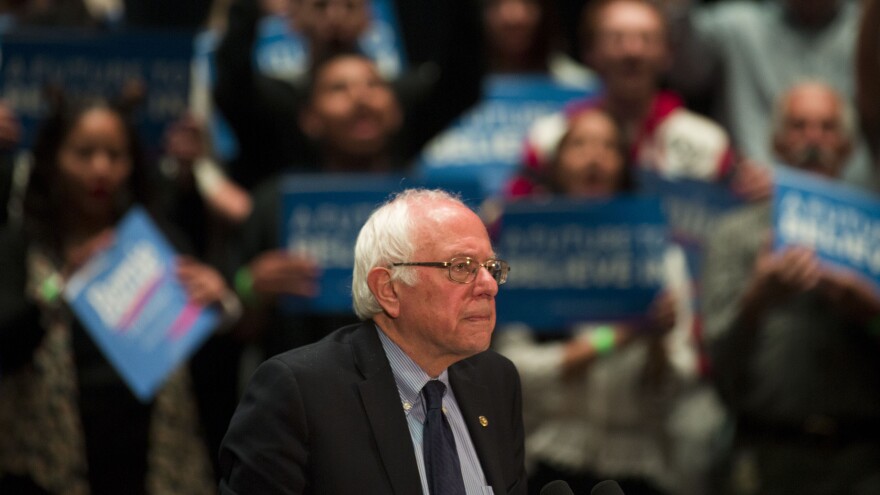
(70, 425)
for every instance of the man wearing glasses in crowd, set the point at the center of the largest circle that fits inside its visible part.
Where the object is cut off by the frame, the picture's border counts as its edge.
(410, 400)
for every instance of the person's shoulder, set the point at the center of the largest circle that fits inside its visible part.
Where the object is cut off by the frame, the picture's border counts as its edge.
(322, 355)
(705, 156)
(684, 113)
(489, 366)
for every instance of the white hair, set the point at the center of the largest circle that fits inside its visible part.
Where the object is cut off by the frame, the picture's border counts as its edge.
(388, 237)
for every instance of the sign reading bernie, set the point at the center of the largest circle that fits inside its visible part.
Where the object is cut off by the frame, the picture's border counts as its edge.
(131, 302)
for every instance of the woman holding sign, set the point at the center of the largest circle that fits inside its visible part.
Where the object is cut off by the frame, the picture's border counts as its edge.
(601, 394)
(70, 424)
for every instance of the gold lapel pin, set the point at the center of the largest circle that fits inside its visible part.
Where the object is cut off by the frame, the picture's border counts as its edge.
(484, 422)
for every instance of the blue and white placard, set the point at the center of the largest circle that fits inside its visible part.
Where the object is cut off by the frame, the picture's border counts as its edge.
(97, 63)
(487, 142)
(130, 301)
(576, 260)
(841, 223)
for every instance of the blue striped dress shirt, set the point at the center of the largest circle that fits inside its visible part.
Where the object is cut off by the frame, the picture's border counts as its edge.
(410, 379)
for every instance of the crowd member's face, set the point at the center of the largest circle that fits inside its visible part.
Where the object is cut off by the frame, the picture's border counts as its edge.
(330, 24)
(442, 318)
(94, 162)
(629, 49)
(589, 161)
(512, 25)
(812, 135)
(352, 110)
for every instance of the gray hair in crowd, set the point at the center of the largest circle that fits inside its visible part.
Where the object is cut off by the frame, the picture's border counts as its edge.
(387, 237)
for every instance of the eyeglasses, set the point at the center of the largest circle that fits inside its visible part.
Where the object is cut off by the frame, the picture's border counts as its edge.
(464, 270)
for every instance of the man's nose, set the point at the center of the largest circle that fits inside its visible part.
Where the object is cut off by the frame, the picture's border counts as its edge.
(485, 283)
(360, 92)
(633, 44)
(813, 132)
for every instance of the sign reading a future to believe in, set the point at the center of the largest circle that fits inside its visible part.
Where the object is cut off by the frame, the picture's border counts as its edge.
(839, 222)
(575, 260)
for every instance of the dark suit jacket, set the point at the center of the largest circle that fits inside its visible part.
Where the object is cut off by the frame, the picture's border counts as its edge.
(327, 418)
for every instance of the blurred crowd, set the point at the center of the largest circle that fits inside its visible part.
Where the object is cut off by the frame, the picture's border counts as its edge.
(771, 386)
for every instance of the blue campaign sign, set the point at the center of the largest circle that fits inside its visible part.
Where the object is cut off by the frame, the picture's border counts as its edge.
(486, 143)
(692, 208)
(133, 306)
(841, 223)
(321, 216)
(577, 260)
(93, 63)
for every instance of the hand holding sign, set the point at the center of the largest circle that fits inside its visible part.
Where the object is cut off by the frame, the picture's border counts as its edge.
(781, 274)
(204, 285)
(77, 254)
(279, 272)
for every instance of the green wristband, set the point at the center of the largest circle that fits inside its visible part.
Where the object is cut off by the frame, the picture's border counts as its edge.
(602, 339)
(51, 288)
(244, 286)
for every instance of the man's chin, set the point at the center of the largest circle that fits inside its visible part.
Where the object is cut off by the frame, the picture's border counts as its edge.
(635, 89)
(365, 145)
(481, 333)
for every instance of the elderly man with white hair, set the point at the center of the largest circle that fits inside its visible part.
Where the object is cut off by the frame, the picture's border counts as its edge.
(410, 400)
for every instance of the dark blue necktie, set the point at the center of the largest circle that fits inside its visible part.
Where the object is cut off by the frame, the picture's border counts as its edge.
(438, 444)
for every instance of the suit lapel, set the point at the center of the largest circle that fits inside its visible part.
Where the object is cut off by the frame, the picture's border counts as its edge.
(476, 406)
(384, 411)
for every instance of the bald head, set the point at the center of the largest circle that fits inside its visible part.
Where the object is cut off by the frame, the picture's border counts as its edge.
(813, 129)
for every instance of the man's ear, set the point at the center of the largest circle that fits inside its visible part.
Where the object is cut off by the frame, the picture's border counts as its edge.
(382, 287)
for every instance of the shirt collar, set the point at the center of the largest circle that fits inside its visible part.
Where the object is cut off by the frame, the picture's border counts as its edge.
(409, 377)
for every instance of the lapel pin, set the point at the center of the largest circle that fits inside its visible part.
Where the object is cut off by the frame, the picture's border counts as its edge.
(484, 422)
